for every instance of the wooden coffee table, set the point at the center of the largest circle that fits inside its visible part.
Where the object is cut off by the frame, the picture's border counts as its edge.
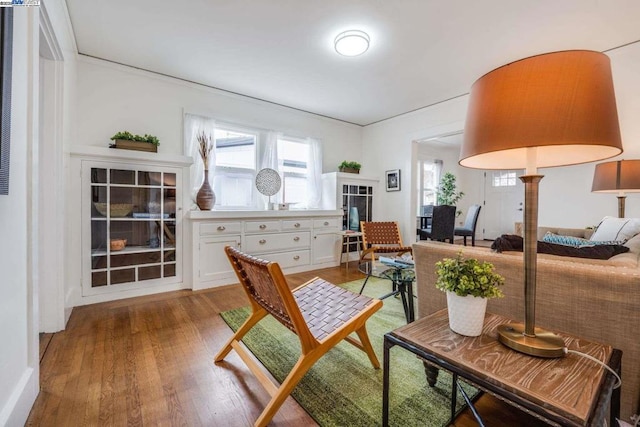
(568, 391)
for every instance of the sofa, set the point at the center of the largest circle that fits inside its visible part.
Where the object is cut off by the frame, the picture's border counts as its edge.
(598, 300)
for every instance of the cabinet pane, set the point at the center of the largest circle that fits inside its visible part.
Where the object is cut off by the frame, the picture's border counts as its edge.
(123, 276)
(170, 202)
(169, 256)
(146, 273)
(137, 233)
(149, 178)
(140, 258)
(98, 176)
(98, 279)
(119, 176)
(98, 235)
(98, 262)
(169, 270)
(147, 201)
(169, 180)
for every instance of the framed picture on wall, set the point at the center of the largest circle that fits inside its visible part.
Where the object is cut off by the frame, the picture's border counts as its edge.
(393, 180)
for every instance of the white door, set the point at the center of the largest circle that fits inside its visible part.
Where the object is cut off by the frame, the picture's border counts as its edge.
(503, 202)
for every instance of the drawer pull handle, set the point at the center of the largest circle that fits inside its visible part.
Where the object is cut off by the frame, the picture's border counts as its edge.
(221, 228)
(262, 241)
(296, 225)
(326, 223)
(295, 239)
(262, 226)
(297, 257)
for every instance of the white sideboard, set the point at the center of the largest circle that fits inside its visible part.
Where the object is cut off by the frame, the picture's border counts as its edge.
(297, 240)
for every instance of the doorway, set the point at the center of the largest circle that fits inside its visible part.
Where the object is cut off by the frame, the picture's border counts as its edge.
(503, 202)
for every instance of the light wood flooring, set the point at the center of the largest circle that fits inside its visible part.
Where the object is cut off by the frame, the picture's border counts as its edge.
(149, 361)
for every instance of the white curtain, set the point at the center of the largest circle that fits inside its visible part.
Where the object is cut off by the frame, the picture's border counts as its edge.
(314, 181)
(194, 124)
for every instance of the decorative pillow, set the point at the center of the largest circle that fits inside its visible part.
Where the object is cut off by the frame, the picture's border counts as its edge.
(576, 242)
(611, 228)
(565, 240)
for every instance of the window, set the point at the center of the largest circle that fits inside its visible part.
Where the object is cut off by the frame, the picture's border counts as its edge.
(235, 168)
(503, 179)
(293, 162)
(428, 179)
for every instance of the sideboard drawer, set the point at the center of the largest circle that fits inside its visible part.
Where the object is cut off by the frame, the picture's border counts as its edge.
(321, 223)
(296, 224)
(277, 242)
(261, 226)
(290, 259)
(215, 228)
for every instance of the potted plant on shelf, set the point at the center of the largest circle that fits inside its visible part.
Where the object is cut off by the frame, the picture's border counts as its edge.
(468, 284)
(447, 191)
(349, 167)
(128, 141)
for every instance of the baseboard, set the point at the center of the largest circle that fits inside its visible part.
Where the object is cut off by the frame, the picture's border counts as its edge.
(16, 410)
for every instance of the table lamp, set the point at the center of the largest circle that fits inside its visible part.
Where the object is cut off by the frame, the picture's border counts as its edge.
(554, 109)
(621, 176)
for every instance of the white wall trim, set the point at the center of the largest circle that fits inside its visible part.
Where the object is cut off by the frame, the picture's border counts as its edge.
(19, 404)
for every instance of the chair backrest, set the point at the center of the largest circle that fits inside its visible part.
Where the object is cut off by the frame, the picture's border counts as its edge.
(266, 286)
(380, 234)
(426, 210)
(472, 217)
(443, 222)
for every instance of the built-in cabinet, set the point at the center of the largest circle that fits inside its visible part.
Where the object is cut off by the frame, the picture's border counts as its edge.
(131, 226)
(297, 240)
(354, 195)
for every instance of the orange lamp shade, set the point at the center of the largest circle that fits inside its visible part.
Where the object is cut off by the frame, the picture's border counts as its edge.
(561, 103)
(617, 176)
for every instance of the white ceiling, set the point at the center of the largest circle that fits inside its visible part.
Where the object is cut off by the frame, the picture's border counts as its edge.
(422, 51)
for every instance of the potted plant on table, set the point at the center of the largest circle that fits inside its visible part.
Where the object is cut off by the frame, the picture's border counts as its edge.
(349, 167)
(128, 141)
(468, 284)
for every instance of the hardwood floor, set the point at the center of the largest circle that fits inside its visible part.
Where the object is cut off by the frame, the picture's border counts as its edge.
(149, 361)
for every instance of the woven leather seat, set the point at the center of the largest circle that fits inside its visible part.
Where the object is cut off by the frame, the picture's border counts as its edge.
(320, 313)
(382, 237)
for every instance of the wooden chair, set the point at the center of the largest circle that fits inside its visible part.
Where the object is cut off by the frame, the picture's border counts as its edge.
(381, 237)
(320, 313)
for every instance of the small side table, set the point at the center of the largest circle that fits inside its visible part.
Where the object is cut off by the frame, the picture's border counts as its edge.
(568, 391)
(349, 237)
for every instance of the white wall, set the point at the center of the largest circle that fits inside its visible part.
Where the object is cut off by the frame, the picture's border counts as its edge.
(391, 144)
(565, 192)
(112, 98)
(19, 365)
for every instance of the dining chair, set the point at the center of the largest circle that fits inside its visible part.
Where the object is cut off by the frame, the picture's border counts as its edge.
(469, 227)
(443, 223)
(320, 313)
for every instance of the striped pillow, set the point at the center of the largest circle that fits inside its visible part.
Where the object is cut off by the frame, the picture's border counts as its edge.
(617, 229)
(576, 242)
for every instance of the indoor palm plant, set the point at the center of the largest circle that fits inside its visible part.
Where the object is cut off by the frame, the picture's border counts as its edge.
(448, 193)
(468, 284)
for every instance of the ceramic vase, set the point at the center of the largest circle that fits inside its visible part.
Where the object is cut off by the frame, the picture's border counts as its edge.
(354, 219)
(466, 314)
(206, 198)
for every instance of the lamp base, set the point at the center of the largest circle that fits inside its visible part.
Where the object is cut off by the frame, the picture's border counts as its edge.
(544, 344)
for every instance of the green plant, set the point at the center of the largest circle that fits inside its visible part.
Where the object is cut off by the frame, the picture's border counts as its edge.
(350, 165)
(468, 277)
(131, 137)
(447, 194)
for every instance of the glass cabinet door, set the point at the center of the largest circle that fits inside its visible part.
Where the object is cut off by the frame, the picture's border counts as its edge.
(133, 226)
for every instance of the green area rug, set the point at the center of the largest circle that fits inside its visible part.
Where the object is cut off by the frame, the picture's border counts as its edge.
(342, 388)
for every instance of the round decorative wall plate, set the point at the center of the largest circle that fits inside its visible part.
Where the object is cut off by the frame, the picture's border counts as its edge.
(268, 181)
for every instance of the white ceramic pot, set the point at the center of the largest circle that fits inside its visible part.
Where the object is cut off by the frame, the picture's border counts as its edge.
(466, 314)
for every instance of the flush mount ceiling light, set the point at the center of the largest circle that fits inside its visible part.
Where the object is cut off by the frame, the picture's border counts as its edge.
(352, 43)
